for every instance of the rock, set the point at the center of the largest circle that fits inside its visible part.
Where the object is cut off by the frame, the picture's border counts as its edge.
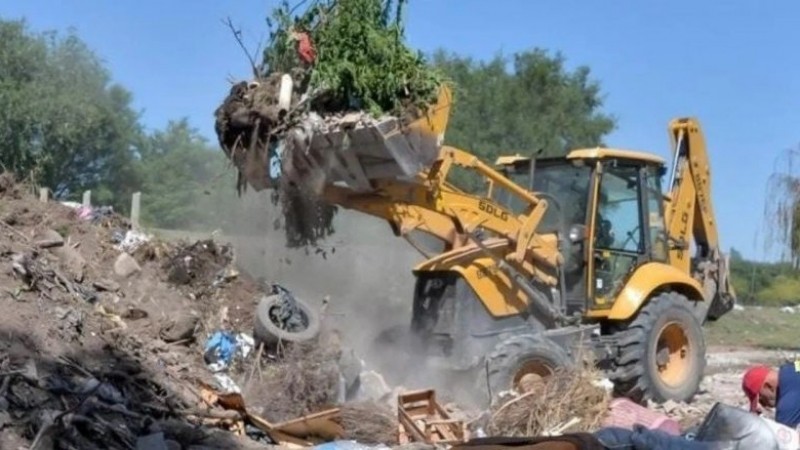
(350, 366)
(72, 261)
(372, 387)
(70, 258)
(106, 285)
(173, 445)
(50, 243)
(670, 406)
(179, 329)
(5, 419)
(125, 265)
(134, 314)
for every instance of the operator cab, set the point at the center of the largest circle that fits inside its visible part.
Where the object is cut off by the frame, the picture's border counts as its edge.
(602, 202)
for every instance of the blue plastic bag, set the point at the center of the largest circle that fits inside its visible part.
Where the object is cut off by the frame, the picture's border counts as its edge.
(219, 351)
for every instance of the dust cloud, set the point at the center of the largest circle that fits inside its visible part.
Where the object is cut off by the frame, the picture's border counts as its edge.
(366, 273)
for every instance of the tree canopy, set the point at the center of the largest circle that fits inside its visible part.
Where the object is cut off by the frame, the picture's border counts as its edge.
(63, 123)
(185, 182)
(536, 104)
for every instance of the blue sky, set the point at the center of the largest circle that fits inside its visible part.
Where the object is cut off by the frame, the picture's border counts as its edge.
(732, 64)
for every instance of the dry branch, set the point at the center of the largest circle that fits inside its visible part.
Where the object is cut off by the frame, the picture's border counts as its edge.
(567, 401)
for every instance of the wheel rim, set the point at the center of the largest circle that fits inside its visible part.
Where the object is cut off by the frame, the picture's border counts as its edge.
(274, 314)
(530, 374)
(673, 354)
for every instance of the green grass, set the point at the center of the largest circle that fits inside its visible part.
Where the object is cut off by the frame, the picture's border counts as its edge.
(765, 327)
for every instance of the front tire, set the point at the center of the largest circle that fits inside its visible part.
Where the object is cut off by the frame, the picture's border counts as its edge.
(661, 354)
(515, 360)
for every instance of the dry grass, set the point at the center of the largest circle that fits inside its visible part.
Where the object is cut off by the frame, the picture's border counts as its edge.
(565, 402)
(304, 381)
(369, 423)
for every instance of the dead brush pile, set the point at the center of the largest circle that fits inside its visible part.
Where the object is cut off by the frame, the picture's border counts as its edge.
(568, 401)
(370, 423)
(305, 380)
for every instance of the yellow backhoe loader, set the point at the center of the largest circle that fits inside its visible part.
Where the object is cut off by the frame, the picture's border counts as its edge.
(584, 249)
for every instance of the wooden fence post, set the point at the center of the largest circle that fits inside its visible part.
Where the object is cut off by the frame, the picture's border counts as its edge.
(136, 203)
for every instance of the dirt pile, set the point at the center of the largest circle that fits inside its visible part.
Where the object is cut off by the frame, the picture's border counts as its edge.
(101, 347)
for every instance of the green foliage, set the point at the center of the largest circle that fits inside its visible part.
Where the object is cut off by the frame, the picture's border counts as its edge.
(62, 122)
(782, 207)
(761, 283)
(362, 61)
(764, 327)
(537, 105)
(186, 184)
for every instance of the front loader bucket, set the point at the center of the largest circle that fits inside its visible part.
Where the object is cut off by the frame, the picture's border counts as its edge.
(357, 148)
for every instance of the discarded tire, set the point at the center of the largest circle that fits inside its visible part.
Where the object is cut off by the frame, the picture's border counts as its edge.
(270, 327)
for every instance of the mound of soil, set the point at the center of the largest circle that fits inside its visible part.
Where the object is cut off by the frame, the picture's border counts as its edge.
(90, 358)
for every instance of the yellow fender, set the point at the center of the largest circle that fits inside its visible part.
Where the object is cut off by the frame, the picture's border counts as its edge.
(644, 281)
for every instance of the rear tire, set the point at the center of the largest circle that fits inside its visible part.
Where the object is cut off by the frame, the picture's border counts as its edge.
(519, 356)
(661, 354)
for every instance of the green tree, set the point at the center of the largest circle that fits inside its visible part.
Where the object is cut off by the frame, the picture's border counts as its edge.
(63, 122)
(535, 105)
(186, 183)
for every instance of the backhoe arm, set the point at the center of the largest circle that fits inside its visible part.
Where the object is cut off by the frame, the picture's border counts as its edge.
(690, 212)
(429, 203)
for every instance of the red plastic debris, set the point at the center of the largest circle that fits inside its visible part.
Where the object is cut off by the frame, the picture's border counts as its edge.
(304, 48)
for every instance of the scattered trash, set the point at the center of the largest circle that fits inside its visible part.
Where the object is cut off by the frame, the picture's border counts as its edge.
(422, 419)
(224, 276)
(223, 346)
(643, 437)
(623, 413)
(348, 445)
(226, 384)
(604, 383)
(130, 241)
(725, 423)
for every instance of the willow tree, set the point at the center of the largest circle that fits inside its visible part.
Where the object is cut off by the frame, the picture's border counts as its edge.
(782, 208)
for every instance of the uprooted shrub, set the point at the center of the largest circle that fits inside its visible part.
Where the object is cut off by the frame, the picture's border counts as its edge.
(360, 63)
(361, 60)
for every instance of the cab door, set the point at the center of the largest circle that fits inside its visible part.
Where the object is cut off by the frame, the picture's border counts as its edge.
(618, 237)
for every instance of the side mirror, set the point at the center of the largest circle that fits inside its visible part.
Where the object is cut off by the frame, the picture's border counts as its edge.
(577, 233)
